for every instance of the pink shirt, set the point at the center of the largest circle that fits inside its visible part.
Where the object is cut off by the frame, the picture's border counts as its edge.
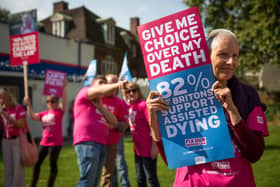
(89, 123)
(139, 128)
(16, 112)
(120, 109)
(52, 127)
(235, 172)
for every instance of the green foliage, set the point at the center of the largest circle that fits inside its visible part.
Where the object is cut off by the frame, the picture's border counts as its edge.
(272, 111)
(256, 24)
(4, 13)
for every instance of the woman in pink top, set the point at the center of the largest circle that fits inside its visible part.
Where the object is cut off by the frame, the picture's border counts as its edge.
(245, 116)
(144, 149)
(13, 117)
(52, 138)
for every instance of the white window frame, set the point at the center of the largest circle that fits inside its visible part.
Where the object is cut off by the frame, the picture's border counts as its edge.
(58, 28)
(109, 33)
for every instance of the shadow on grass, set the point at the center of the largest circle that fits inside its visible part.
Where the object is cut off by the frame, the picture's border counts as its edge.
(272, 147)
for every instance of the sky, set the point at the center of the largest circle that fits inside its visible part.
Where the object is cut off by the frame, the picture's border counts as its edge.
(120, 10)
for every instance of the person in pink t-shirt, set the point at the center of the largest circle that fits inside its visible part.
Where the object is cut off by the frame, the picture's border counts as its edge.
(245, 117)
(92, 121)
(120, 109)
(144, 148)
(52, 138)
(13, 116)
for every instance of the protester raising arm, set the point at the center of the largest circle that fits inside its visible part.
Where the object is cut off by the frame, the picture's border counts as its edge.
(109, 116)
(35, 116)
(155, 103)
(62, 104)
(100, 90)
(32, 115)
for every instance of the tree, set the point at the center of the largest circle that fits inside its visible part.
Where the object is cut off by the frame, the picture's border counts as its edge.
(4, 14)
(255, 22)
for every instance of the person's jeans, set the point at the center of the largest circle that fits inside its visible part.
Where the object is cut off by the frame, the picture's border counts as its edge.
(146, 168)
(121, 167)
(91, 157)
(13, 169)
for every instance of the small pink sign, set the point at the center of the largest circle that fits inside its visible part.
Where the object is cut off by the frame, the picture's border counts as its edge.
(54, 83)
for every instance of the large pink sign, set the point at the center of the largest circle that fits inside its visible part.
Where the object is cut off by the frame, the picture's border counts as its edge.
(54, 83)
(178, 66)
(173, 43)
(24, 48)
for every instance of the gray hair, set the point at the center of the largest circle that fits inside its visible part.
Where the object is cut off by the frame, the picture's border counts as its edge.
(216, 32)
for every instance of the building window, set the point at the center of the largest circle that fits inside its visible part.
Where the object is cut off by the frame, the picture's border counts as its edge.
(60, 24)
(109, 33)
(108, 66)
(58, 28)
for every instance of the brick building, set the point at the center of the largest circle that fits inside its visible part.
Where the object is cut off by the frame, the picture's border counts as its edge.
(110, 41)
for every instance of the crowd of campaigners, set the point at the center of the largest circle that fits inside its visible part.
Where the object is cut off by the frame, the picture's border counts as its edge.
(101, 118)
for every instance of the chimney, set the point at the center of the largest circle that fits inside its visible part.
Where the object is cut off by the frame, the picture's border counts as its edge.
(134, 22)
(60, 6)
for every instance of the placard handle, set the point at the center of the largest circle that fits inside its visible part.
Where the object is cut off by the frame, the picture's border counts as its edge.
(25, 77)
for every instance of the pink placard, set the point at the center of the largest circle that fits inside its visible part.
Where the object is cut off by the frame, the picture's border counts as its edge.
(24, 47)
(173, 43)
(54, 83)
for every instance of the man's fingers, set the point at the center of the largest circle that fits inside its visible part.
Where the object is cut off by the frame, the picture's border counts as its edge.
(153, 94)
(217, 85)
(159, 106)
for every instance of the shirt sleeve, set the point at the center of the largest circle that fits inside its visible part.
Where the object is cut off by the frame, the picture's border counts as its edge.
(256, 121)
(41, 114)
(250, 143)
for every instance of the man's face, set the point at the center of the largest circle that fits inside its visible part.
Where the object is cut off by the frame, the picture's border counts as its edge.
(26, 20)
(224, 56)
(110, 80)
(99, 82)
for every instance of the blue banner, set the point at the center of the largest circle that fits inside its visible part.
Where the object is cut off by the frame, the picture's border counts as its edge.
(91, 72)
(194, 129)
(125, 73)
(38, 71)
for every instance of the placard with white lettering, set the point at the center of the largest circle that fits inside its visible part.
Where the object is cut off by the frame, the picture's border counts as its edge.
(54, 83)
(24, 43)
(178, 66)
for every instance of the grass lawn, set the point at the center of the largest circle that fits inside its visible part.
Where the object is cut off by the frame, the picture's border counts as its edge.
(267, 170)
